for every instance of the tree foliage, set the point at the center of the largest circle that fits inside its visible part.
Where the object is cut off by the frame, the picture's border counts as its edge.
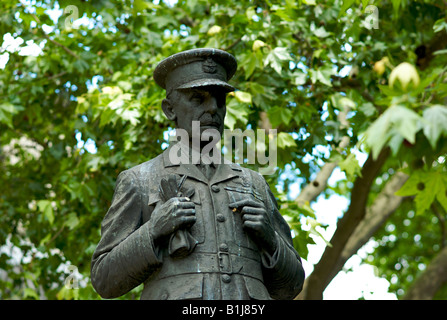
(334, 78)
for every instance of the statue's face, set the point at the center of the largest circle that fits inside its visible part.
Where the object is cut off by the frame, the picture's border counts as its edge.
(205, 104)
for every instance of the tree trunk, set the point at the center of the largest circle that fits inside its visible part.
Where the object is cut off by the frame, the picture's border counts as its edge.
(431, 280)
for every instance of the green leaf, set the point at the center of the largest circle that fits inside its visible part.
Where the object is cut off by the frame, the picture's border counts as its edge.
(279, 116)
(300, 78)
(250, 12)
(285, 140)
(250, 67)
(425, 186)
(435, 123)
(72, 221)
(7, 111)
(81, 65)
(410, 187)
(342, 103)
(313, 230)
(395, 121)
(368, 109)
(68, 293)
(365, 4)
(242, 96)
(442, 196)
(321, 32)
(407, 122)
(322, 75)
(130, 115)
(444, 51)
(45, 240)
(251, 61)
(47, 209)
(30, 293)
(350, 165)
(440, 25)
(276, 57)
(236, 111)
(140, 5)
(345, 6)
(434, 186)
(396, 5)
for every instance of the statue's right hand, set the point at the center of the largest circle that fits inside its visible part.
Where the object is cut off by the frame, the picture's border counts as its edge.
(176, 213)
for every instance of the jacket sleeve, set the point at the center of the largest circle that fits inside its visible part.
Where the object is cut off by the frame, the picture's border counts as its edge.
(283, 272)
(125, 255)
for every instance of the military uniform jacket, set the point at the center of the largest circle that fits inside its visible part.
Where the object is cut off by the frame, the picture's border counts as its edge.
(225, 263)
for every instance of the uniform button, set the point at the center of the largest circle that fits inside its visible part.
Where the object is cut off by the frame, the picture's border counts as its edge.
(226, 278)
(215, 188)
(223, 247)
(220, 217)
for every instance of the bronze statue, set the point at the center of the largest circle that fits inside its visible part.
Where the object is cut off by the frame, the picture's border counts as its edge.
(198, 230)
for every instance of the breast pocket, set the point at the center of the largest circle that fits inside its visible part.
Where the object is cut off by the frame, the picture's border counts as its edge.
(238, 193)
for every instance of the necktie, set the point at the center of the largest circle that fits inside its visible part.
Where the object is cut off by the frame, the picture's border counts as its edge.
(208, 170)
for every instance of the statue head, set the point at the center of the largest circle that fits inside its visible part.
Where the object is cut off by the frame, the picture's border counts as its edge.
(196, 83)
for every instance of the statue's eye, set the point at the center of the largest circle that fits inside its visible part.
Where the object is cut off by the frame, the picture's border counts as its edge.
(197, 97)
(221, 99)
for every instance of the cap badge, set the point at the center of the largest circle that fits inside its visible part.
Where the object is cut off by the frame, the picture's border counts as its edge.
(209, 66)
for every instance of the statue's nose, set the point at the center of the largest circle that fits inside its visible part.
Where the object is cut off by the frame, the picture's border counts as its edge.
(211, 105)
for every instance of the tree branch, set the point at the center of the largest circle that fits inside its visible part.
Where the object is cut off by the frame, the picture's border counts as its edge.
(45, 35)
(311, 191)
(264, 121)
(383, 206)
(27, 88)
(60, 45)
(232, 45)
(321, 275)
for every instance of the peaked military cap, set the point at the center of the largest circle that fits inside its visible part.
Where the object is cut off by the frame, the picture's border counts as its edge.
(196, 68)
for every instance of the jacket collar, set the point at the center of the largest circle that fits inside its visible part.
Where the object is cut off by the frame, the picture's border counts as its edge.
(224, 171)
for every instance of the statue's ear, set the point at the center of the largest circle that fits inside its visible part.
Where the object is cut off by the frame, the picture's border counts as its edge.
(168, 110)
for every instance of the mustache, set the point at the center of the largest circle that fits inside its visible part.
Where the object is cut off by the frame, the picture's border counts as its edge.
(208, 119)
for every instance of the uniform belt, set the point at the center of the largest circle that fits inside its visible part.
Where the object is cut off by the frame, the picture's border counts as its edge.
(220, 262)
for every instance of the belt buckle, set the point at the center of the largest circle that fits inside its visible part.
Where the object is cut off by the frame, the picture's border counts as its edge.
(225, 262)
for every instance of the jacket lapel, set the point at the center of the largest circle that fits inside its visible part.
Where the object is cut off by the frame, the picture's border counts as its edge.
(226, 171)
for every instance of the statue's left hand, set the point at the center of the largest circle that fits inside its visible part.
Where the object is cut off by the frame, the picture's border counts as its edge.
(257, 223)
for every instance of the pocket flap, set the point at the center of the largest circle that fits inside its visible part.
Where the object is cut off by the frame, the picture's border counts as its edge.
(186, 287)
(178, 287)
(256, 289)
(155, 197)
(238, 192)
